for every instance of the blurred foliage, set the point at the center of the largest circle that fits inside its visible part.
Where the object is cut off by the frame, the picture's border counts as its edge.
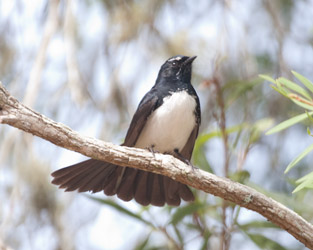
(88, 63)
(303, 98)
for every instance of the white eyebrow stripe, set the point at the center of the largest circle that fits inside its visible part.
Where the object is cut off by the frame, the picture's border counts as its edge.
(177, 58)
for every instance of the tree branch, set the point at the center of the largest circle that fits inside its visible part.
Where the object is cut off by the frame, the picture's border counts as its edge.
(17, 115)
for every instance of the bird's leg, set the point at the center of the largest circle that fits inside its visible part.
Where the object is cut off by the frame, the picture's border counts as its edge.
(183, 159)
(152, 150)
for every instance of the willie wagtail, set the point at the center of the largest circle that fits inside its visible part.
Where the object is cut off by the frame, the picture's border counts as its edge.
(167, 121)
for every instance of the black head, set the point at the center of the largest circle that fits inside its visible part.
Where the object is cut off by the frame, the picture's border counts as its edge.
(177, 67)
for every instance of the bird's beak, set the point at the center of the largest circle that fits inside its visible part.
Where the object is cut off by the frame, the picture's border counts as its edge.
(190, 60)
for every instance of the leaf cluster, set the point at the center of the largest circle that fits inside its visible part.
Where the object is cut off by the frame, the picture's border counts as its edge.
(302, 96)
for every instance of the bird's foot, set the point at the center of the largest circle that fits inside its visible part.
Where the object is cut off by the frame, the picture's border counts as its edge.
(152, 150)
(183, 159)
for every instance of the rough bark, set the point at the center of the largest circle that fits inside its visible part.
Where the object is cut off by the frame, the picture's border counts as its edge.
(17, 115)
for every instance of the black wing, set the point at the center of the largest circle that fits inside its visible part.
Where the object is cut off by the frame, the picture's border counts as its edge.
(186, 152)
(148, 104)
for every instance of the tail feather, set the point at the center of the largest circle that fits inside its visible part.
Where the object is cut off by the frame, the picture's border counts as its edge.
(70, 171)
(82, 176)
(80, 180)
(99, 182)
(142, 189)
(111, 184)
(127, 183)
(173, 198)
(127, 187)
(65, 174)
(185, 193)
(157, 192)
(95, 179)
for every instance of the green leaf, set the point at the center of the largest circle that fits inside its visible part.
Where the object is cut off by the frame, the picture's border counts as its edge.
(178, 234)
(305, 178)
(306, 82)
(281, 91)
(241, 176)
(181, 212)
(199, 156)
(200, 159)
(301, 104)
(305, 182)
(299, 158)
(288, 123)
(120, 209)
(309, 116)
(268, 78)
(257, 224)
(264, 242)
(143, 244)
(238, 88)
(258, 128)
(205, 239)
(295, 87)
(303, 185)
(263, 124)
(202, 139)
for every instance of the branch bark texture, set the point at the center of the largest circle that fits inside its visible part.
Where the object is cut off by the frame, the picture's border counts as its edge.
(17, 115)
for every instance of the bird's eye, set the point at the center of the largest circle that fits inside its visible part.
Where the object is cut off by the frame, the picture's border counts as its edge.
(174, 63)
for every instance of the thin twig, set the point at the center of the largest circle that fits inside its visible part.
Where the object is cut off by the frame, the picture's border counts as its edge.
(224, 238)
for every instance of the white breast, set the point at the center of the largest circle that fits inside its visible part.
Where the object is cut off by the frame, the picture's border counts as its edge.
(170, 125)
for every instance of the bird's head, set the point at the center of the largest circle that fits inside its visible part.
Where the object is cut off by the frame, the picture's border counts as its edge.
(177, 67)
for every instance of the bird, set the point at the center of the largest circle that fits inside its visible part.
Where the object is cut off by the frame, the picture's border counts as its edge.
(166, 121)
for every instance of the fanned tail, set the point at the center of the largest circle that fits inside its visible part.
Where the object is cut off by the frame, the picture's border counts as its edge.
(127, 183)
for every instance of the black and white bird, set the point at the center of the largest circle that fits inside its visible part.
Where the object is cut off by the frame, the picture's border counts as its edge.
(166, 121)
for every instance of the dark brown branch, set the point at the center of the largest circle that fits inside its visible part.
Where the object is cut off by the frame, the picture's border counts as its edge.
(17, 115)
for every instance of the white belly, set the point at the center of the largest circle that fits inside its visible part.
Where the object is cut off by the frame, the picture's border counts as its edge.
(170, 125)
